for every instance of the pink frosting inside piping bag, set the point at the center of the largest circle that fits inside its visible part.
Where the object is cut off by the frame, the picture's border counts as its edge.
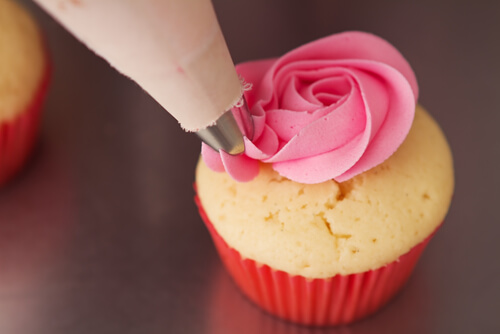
(330, 109)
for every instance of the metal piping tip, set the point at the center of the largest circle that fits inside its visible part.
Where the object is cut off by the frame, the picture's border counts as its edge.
(225, 134)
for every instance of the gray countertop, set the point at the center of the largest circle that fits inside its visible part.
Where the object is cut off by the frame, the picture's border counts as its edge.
(99, 234)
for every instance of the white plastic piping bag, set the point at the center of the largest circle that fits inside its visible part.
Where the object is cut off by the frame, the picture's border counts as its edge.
(174, 49)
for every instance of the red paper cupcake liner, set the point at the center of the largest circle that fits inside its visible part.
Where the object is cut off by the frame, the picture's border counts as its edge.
(341, 299)
(18, 135)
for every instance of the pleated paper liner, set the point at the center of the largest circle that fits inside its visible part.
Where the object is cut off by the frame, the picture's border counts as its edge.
(341, 299)
(18, 135)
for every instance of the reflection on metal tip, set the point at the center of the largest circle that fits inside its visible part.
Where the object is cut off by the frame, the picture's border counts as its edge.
(224, 135)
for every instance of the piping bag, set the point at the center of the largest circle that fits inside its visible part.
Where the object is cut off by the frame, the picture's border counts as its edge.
(175, 50)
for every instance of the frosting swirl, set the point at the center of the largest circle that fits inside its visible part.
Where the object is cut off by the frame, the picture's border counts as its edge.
(330, 109)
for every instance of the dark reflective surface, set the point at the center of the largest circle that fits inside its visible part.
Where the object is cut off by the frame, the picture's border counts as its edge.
(100, 234)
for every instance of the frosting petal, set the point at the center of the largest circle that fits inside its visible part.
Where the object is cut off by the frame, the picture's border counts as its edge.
(240, 167)
(330, 109)
(211, 158)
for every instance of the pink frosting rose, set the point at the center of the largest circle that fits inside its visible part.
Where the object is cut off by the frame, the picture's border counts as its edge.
(330, 109)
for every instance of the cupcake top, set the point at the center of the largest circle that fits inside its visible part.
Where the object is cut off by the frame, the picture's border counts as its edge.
(22, 59)
(346, 172)
(320, 230)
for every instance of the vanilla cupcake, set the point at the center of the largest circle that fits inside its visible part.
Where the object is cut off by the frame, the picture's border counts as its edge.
(346, 179)
(24, 76)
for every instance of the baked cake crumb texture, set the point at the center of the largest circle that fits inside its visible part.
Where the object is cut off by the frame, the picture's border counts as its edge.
(320, 230)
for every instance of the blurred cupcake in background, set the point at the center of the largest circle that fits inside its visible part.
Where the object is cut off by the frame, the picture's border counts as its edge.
(24, 79)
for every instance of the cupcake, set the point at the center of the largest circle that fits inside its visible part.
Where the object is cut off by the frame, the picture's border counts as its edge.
(24, 76)
(345, 181)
